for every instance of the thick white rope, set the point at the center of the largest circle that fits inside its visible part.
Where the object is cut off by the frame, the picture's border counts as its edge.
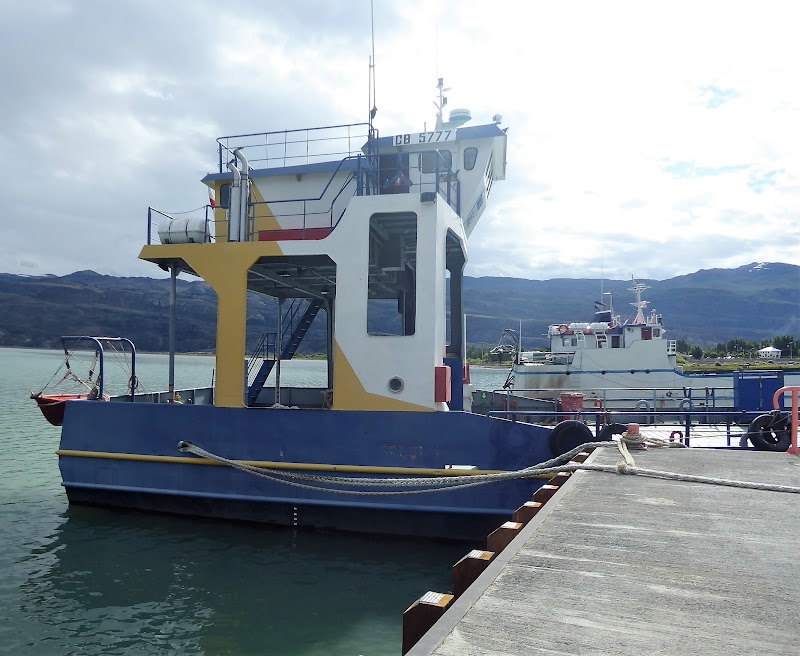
(446, 483)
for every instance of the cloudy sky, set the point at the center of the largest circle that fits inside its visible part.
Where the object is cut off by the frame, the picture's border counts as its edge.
(645, 138)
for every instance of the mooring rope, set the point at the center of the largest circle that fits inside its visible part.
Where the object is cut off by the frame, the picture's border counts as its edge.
(417, 485)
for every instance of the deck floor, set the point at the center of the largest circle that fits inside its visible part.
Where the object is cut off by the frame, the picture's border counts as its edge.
(633, 565)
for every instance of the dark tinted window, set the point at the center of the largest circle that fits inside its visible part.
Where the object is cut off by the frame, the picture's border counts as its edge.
(225, 196)
(470, 155)
(441, 158)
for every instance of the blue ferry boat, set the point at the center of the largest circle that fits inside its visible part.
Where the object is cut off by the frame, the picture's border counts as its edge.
(368, 233)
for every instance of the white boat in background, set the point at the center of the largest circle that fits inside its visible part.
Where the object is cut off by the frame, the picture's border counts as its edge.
(629, 365)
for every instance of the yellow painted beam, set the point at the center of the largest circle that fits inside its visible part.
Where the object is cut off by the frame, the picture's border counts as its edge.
(224, 267)
(293, 466)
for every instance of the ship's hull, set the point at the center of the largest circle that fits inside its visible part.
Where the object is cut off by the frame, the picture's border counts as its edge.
(658, 389)
(126, 455)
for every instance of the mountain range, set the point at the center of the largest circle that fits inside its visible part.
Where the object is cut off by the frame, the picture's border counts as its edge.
(753, 302)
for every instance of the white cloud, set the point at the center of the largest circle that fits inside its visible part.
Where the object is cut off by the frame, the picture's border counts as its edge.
(653, 139)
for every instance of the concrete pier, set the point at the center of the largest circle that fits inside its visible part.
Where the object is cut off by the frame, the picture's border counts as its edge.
(619, 564)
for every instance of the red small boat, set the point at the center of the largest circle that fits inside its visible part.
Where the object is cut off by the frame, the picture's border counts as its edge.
(52, 405)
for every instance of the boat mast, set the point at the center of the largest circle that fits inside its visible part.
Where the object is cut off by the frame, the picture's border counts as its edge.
(640, 305)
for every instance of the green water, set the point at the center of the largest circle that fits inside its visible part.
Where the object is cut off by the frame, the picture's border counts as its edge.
(92, 581)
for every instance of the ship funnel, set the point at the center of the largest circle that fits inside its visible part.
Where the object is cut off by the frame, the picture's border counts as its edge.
(234, 211)
(244, 195)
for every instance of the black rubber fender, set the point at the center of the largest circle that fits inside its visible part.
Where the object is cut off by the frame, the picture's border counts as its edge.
(569, 434)
(607, 431)
(770, 432)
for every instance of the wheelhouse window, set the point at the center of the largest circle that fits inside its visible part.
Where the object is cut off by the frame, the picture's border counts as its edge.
(470, 157)
(436, 160)
(392, 279)
(225, 196)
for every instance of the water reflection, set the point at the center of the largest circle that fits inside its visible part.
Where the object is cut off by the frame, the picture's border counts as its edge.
(125, 582)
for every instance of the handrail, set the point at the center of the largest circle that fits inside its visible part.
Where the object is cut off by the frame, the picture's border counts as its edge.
(794, 391)
(326, 210)
(708, 394)
(150, 223)
(601, 415)
(260, 351)
(99, 346)
(285, 142)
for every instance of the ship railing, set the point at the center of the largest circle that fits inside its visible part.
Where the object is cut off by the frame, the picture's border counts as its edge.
(730, 425)
(689, 397)
(188, 396)
(323, 210)
(425, 172)
(265, 349)
(122, 352)
(203, 216)
(545, 357)
(268, 150)
(794, 392)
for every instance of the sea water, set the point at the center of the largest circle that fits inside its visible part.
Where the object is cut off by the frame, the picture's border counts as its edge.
(78, 580)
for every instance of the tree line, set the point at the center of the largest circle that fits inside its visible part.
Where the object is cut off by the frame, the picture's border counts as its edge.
(740, 348)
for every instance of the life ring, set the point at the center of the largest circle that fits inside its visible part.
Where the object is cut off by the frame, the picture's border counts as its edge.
(642, 404)
(563, 329)
(569, 434)
(770, 432)
(686, 405)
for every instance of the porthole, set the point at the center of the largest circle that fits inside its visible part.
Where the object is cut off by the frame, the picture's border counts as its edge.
(396, 384)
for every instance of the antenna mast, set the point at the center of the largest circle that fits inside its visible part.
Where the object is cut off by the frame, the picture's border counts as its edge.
(440, 105)
(373, 108)
(640, 305)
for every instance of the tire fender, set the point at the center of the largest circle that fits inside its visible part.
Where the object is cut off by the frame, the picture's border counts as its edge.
(569, 434)
(770, 432)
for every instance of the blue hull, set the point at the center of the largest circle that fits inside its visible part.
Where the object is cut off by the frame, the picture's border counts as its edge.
(371, 439)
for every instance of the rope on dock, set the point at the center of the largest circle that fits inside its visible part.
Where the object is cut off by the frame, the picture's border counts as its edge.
(417, 485)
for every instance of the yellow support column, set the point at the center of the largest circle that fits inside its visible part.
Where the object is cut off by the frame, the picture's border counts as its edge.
(226, 271)
(224, 267)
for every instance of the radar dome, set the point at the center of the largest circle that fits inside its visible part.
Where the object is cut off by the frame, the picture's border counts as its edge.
(458, 117)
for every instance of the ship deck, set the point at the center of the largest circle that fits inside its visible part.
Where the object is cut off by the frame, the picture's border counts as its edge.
(631, 565)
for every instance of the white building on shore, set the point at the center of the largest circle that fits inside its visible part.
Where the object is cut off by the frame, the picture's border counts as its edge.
(769, 353)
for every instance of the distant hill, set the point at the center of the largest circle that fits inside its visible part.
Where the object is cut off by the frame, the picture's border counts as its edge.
(753, 302)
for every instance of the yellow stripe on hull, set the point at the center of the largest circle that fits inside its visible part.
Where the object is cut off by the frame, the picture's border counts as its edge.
(293, 466)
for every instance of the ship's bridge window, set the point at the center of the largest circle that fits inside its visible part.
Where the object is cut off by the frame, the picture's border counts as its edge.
(470, 157)
(433, 160)
(656, 332)
(225, 196)
(391, 279)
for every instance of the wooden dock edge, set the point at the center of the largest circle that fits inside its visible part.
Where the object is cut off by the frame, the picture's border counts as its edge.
(457, 608)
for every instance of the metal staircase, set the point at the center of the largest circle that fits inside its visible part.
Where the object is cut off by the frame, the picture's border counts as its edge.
(296, 327)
